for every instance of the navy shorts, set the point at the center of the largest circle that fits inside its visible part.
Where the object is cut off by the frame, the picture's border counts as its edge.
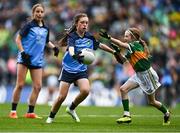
(30, 66)
(72, 77)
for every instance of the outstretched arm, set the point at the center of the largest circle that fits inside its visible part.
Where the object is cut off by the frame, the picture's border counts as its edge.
(104, 34)
(115, 51)
(119, 43)
(106, 48)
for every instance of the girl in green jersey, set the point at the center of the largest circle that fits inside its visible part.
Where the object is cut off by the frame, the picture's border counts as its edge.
(145, 77)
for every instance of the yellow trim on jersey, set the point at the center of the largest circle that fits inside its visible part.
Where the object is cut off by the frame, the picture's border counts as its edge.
(136, 56)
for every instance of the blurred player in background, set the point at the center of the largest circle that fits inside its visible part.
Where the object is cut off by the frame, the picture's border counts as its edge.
(73, 70)
(31, 42)
(145, 77)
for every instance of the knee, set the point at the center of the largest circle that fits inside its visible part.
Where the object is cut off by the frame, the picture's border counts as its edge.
(123, 90)
(61, 98)
(20, 86)
(152, 103)
(37, 87)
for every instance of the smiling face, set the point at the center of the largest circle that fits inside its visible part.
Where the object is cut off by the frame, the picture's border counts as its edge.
(132, 34)
(128, 37)
(38, 13)
(82, 24)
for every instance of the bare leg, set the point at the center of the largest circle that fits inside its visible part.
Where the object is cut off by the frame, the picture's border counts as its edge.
(161, 107)
(36, 75)
(84, 87)
(124, 89)
(152, 101)
(21, 76)
(63, 90)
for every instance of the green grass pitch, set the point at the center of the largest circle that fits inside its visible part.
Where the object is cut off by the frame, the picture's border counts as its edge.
(93, 119)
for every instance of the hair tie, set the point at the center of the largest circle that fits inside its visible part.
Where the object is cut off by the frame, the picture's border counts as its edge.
(131, 33)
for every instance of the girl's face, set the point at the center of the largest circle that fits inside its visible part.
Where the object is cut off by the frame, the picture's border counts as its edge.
(38, 13)
(82, 24)
(128, 37)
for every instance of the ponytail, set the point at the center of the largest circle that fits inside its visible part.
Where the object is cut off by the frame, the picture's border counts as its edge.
(63, 41)
(136, 34)
(146, 49)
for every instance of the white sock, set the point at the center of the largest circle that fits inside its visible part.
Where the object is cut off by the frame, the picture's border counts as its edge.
(127, 113)
(167, 113)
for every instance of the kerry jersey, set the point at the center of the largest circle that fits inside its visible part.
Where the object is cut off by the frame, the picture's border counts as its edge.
(34, 39)
(87, 41)
(137, 57)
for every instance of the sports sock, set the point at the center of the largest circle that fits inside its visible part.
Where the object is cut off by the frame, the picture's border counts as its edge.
(125, 103)
(14, 106)
(72, 106)
(52, 115)
(31, 109)
(163, 109)
(127, 113)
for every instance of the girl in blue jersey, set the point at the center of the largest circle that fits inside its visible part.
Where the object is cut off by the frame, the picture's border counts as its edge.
(31, 42)
(73, 70)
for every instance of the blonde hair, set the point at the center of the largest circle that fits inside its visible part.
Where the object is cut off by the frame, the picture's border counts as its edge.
(63, 40)
(135, 33)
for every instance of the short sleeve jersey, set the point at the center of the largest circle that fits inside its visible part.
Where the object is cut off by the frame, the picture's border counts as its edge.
(74, 40)
(137, 57)
(34, 39)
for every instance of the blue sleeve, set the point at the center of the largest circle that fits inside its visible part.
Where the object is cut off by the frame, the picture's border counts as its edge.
(24, 30)
(70, 41)
(95, 43)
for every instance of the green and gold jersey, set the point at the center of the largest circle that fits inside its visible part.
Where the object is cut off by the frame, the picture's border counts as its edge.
(137, 57)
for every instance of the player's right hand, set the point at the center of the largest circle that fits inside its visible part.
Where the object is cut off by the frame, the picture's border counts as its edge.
(119, 57)
(25, 58)
(56, 51)
(78, 57)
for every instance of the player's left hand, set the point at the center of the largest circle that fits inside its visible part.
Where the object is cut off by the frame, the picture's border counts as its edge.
(104, 34)
(116, 48)
(56, 51)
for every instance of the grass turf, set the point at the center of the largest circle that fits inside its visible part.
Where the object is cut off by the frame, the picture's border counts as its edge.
(93, 119)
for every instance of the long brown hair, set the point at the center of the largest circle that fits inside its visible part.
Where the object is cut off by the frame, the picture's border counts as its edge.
(63, 40)
(136, 34)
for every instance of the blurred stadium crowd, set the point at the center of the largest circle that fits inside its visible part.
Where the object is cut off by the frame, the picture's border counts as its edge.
(158, 19)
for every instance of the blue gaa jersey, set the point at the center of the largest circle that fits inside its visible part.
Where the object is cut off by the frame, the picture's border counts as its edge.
(34, 39)
(88, 41)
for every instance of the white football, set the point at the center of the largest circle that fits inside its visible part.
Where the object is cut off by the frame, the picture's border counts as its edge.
(89, 56)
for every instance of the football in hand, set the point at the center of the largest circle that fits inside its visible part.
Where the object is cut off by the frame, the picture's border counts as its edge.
(89, 56)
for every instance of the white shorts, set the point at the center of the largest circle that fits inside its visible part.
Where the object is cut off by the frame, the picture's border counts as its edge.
(147, 80)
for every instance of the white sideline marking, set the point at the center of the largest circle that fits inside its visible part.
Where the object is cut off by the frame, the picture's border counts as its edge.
(147, 116)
